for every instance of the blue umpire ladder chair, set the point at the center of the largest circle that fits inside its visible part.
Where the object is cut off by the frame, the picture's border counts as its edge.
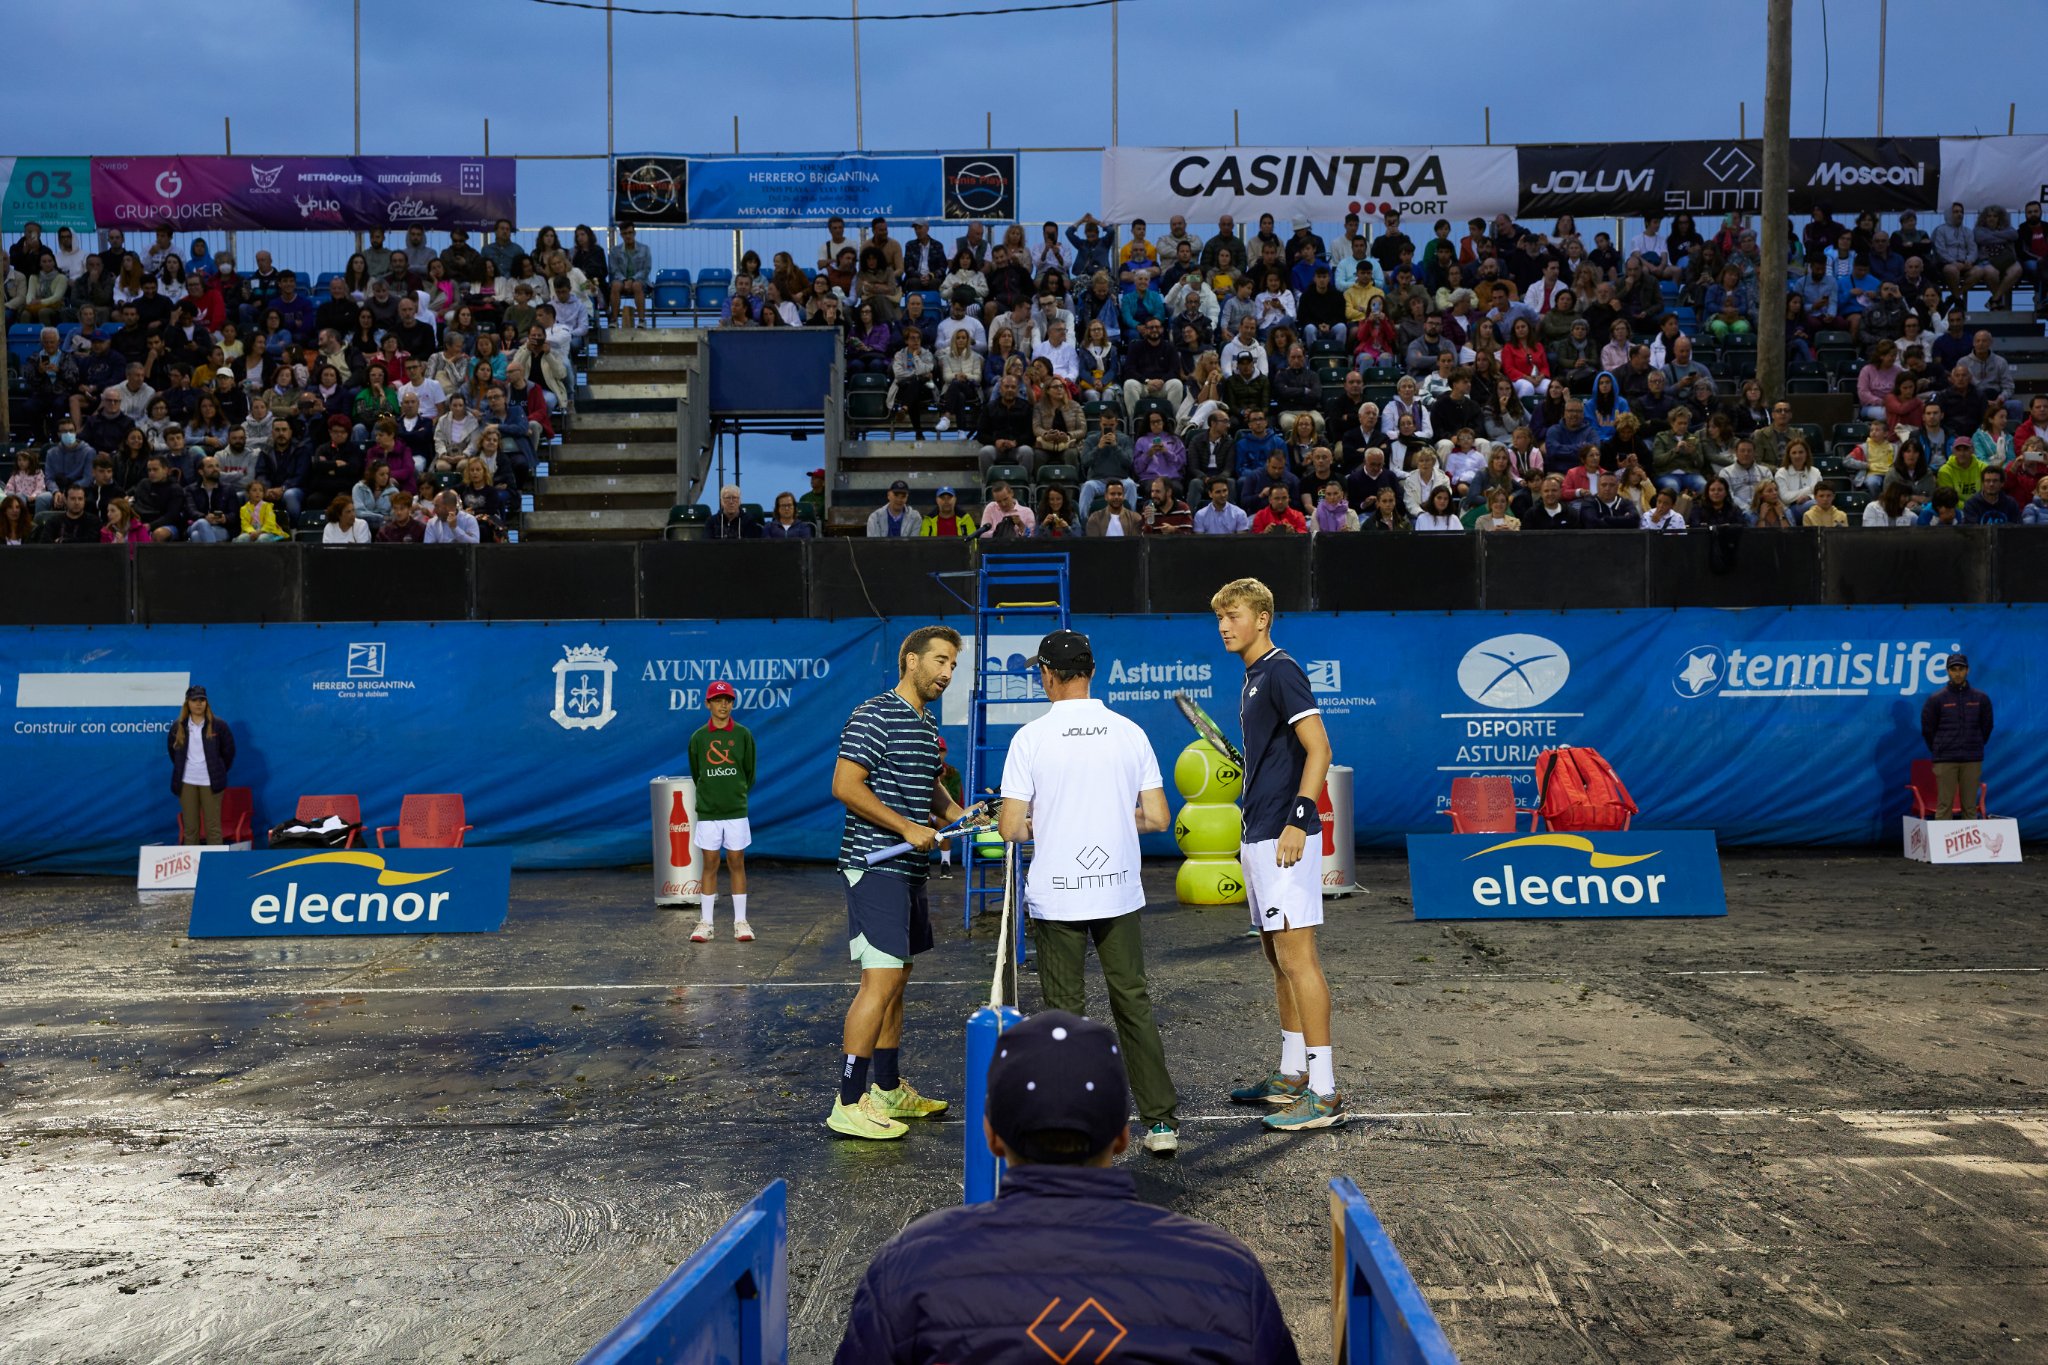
(1014, 593)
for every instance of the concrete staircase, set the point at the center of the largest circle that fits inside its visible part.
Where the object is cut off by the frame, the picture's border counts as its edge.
(614, 475)
(866, 468)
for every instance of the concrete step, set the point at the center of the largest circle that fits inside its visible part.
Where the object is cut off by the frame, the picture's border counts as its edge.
(645, 389)
(628, 361)
(649, 341)
(595, 524)
(612, 460)
(626, 426)
(568, 492)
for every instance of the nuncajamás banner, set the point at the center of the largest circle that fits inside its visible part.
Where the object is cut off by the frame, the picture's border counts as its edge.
(780, 191)
(1633, 179)
(197, 193)
(1322, 183)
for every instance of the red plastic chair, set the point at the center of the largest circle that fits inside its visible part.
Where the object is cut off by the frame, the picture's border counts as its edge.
(1485, 805)
(1925, 791)
(431, 821)
(237, 813)
(313, 809)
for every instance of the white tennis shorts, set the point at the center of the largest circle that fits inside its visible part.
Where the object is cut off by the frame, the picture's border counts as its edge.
(1283, 897)
(712, 835)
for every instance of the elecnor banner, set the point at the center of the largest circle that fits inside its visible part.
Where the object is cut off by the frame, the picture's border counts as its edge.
(199, 193)
(1702, 712)
(53, 191)
(773, 191)
(1322, 183)
(1633, 179)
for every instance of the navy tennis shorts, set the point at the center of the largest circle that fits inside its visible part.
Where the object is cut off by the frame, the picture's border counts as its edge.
(886, 918)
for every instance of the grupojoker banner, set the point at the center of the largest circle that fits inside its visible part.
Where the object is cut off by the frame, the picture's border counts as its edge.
(196, 193)
(1321, 183)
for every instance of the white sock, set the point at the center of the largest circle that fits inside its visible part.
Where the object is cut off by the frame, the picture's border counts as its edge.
(1293, 1054)
(1322, 1070)
(705, 904)
(739, 907)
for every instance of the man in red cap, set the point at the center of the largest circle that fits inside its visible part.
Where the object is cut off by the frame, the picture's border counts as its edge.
(811, 506)
(722, 764)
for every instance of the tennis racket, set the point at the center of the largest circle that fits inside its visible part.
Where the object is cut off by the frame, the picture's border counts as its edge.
(1206, 727)
(977, 817)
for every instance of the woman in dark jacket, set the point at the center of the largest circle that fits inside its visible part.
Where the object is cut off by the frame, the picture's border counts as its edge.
(1717, 506)
(202, 749)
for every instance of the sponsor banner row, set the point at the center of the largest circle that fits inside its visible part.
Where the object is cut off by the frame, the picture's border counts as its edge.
(1623, 179)
(775, 191)
(215, 193)
(1699, 710)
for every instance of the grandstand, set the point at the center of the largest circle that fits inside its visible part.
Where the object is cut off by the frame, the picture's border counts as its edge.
(625, 447)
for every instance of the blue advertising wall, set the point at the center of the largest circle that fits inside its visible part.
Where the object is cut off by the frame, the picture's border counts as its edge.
(1778, 726)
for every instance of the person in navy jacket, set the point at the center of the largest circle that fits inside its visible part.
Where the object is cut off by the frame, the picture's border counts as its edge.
(202, 749)
(1067, 1248)
(1956, 723)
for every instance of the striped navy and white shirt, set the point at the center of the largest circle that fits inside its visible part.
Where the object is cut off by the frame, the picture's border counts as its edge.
(898, 745)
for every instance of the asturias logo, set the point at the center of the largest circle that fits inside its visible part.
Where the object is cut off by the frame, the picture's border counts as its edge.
(1514, 672)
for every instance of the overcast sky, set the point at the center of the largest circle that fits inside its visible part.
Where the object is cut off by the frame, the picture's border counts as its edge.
(146, 76)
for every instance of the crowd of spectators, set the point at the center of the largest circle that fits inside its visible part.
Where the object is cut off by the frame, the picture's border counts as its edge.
(174, 396)
(1504, 378)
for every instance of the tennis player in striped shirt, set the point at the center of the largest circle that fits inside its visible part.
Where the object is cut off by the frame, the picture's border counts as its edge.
(887, 777)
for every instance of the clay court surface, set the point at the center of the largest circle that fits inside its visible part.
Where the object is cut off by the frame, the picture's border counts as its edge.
(1813, 1131)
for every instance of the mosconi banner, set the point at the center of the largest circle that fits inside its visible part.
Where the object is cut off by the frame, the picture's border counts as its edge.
(296, 893)
(1321, 183)
(1634, 179)
(1637, 179)
(202, 193)
(781, 191)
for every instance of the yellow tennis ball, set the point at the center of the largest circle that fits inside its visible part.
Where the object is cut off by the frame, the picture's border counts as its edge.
(1209, 828)
(1209, 881)
(1201, 773)
(988, 843)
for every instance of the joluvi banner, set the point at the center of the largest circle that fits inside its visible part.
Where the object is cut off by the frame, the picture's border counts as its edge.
(1768, 726)
(202, 193)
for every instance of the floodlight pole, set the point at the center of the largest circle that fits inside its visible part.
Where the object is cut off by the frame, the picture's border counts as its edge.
(858, 143)
(1777, 149)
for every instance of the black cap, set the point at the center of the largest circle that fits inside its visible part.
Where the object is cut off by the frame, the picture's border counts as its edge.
(1958, 658)
(899, 487)
(1067, 651)
(1057, 1072)
(195, 694)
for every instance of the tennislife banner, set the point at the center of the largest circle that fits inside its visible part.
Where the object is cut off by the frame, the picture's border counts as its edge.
(680, 190)
(208, 193)
(1700, 711)
(1319, 183)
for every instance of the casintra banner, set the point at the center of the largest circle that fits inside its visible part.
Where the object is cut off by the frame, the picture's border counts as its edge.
(1636, 179)
(1321, 183)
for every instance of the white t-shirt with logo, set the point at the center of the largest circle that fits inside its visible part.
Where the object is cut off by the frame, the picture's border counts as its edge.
(1081, 767)
(196, 774)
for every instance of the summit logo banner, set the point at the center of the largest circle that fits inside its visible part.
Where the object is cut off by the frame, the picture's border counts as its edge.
(289, 893)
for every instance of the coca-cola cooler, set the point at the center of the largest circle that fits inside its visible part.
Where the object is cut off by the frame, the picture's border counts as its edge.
(1340, 834)
(678, 866)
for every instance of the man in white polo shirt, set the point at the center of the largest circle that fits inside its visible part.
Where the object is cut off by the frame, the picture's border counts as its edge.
(1082, 783)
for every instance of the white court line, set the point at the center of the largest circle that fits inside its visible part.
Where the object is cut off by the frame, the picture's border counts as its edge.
(272, 992)
(1860, 971)
(1250, 1114)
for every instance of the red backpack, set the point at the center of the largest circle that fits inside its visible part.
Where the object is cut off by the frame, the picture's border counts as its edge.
(1577, 789)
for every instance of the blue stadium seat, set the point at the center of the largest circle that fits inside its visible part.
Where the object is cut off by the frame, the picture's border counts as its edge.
(305, 281)
(932, 306)
(714, 286)
(321, 282)
(672, 291)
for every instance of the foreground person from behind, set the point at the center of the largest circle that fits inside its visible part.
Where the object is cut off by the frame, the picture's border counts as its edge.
(1067, 1263)
(1286, 759)
(887, 777)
